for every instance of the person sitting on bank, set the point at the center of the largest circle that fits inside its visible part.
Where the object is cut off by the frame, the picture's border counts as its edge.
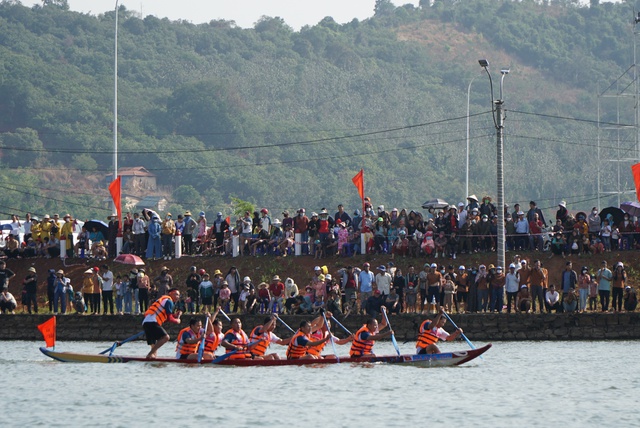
(552, 300)
(570, 301)
(365, 338)
(160, 311)
(431, 332)
(523, 300)
(7, 302)
(630, 299)
(300, 343)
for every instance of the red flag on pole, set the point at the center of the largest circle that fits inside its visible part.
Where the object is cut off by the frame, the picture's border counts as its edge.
(114, 189)
(48, 330)
(358, 181)
(635, 169)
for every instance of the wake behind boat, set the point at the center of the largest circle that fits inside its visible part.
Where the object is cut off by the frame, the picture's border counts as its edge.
(446, 359)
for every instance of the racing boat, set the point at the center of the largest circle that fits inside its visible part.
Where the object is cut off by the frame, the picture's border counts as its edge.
(428, 360)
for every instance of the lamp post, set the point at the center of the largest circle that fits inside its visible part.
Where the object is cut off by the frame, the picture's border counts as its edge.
(466, 189)
(498, 119)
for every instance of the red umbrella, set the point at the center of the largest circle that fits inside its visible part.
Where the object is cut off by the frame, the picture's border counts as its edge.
(129, 259)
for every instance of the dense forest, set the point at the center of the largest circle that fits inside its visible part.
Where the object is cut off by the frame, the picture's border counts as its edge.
(285, 118)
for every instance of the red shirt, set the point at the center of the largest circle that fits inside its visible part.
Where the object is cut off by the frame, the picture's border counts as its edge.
(276, 289)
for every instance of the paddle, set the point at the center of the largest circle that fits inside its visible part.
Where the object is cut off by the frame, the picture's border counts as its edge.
(204, 336)
(225, 315)
(456, 327)
(116, 344)
(393, 337)
(341, 326)
(333, 344)
(228, 354)
(285, 324)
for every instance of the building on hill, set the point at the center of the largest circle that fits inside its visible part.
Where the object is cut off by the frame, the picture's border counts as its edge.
(135, 178)
(156, 203)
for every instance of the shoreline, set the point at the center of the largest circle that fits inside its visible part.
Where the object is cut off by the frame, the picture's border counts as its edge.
(478, 328)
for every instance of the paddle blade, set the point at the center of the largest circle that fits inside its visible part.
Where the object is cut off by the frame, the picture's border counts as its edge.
(48, 330)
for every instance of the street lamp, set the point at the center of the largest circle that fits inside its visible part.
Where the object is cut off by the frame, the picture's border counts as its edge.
(466, 190)
(498, 120)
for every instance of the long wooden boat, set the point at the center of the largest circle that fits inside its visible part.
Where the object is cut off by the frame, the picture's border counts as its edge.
(432, 360)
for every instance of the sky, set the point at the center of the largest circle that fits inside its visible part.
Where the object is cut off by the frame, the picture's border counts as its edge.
(245, 13)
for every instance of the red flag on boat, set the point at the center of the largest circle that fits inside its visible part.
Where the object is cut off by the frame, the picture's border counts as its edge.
(635, 169)
(114, 189)
(358, 181)
(48, 330)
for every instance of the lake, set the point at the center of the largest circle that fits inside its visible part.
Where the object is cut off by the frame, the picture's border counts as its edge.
(528, 383)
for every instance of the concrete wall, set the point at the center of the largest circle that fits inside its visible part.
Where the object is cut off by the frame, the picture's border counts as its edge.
(477, 327)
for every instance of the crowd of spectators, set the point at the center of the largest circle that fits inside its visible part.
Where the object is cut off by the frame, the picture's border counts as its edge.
(444, 232)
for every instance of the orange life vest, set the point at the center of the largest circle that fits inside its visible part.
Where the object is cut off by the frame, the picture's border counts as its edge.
(427, 336)
(186, 348)
(317, 350)
(361, 347)
(159, 310)
(211, 342)
(240, 339)
(295, 351)
(263, 339)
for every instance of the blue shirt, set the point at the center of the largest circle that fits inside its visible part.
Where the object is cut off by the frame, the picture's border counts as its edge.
(366, 279)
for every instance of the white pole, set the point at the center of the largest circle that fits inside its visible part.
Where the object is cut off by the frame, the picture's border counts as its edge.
(115, 103)
(235, 243)
(63, 247)
(298, 245)
(178, 245)
(363, 244)
(119, 240)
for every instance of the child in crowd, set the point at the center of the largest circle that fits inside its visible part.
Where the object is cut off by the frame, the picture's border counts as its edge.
(252, 302)
(224, 296)
(242, 299)
(593, 294)
(411, 297)
(119, 289)
(449, 292)
(264, 297)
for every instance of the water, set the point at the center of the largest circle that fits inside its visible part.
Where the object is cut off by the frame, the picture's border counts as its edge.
(527, 383)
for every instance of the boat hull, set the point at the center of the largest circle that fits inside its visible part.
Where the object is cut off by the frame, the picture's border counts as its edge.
(431, 360)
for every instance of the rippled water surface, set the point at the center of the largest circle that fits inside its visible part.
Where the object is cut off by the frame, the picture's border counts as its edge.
(526, 383)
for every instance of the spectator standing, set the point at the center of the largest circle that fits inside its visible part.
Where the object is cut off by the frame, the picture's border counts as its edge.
(366, 279)
(569, 280)
(583, 286)
(139, 228)
(522, 232)
(114, 225)
(538, 278)
(5, 275)
(617, 287)
(164, 281)
(154, 245)
(383, 281)
(512, 286)
(533, 209)
(594, 222)
(220, 226)
(31, 287)
(107, 289)
(233, 281)
(60, 293)
(144, 284)
(168, 231)
(604, 277)
(189, 228)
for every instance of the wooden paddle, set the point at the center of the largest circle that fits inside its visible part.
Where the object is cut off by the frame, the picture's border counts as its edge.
(393, 337)
(120, 343)
(333, 344)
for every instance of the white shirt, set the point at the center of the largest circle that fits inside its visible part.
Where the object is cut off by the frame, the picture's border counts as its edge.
(107, 281)
(383, 281)
(552, 297)
(512, 283)
(138, 226)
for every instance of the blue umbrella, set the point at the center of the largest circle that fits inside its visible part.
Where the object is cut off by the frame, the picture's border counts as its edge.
(99, 225)
(6, 227)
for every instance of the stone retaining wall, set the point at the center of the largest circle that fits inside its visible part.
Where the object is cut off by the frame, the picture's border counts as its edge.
(477, 327)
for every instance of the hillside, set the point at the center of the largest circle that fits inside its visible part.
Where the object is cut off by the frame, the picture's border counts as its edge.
(284, 119)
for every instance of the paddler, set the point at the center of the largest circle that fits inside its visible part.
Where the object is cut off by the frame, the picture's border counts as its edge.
(213, 335)
(431, 332)
(301, 343)
(320, 331)
(235, 340)
(188, 340)
(263, 336)
(160, 311)
(365, 338)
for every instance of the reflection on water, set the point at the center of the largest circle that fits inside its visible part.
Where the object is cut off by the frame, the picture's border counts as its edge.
(527, 383)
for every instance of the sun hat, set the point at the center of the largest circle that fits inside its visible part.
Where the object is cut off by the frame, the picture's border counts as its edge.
(90, 271)
(187, 213)
(246, 279)
(60, 271)
(275, 278)
(328, 277)
(434, 265)
(382, 268)
(31, 269)
(461, 267)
